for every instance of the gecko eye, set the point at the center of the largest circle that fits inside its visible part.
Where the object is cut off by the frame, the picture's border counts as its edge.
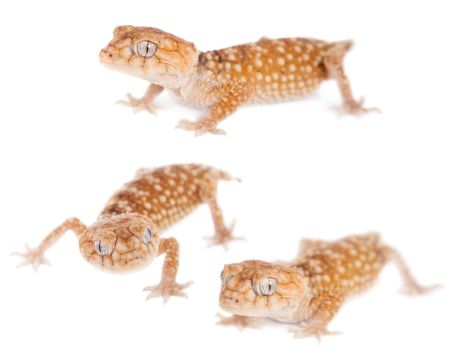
(147, 235)
(267, 286)
(146, 48)
(102, 248)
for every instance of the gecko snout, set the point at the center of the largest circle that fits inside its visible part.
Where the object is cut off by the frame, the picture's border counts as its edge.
(105, 55)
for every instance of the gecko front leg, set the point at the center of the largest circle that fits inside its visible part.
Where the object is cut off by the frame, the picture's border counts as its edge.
(145, 102)
(317, 314)
(168, 286)
(35, 257)
(232, 97)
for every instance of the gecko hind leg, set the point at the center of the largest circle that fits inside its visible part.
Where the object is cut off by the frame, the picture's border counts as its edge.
(145, 102)
(334, 66)
(208, 192)
(223, 234)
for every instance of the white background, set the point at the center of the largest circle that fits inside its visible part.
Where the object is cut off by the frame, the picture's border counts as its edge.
(65, 147)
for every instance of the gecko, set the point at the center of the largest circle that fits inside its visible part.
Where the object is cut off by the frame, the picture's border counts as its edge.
(221, 81)
(126, 235)
(311, 289)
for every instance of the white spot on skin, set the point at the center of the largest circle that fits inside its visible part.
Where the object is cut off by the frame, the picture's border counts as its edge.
(268, 79)
(259, 76)
(341, 269)
(297, 48)
(238, 68)
(258, 63)
(275, 75)
(228, 65)
(281, 61)
(280, 49)
(306, 57)
(308, 68)
(158, 187)
(289, 57)
(163, 199)
(292, 67)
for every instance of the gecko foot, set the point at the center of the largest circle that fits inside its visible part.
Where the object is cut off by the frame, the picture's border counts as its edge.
(200, 127)
(241, 322)
(33, 257)
(311, 330)
(223, 236)
(167, 290)
(138, 104)
(356, 108)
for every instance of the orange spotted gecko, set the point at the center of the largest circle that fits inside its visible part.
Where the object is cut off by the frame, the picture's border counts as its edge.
(221, 81)
(311, 289)
(126, 234)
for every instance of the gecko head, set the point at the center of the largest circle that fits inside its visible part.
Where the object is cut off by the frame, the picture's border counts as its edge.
(119, 243)
(259, 289)
(150, 54)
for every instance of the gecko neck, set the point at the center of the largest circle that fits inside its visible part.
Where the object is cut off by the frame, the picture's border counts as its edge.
(176, 79)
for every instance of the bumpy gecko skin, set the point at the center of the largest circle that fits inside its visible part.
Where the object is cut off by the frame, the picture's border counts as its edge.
(310, 290)
(221, 81)
(126, 235)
